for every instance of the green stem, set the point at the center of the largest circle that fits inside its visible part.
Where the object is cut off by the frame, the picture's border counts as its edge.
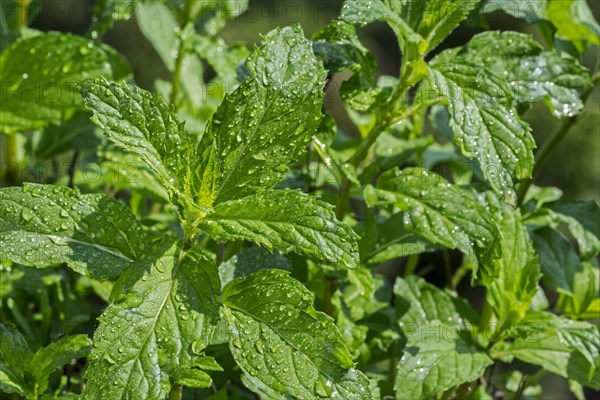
(176, 80)
(13, 158)
(328, 291)
(176, 391)
(528, 381)
(411, 265)
(486, 316)
(355, 160)
(460, 274)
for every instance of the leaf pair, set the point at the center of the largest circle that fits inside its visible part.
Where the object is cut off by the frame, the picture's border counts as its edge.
(256, 132)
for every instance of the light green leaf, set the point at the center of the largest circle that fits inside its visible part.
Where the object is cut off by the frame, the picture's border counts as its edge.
(484, 121)
(285, 220)
(267, 122)
(107, 12)
(250, 260)
(394, 152)
(56, 354)
(435, 209)
(532, 73)
(39, 75)
(44, 225)
(299, 351)
(575, 21)
(511, 293)
(531, 11)
(14, 358)
(559, 345)
(193, 378)
(163, 314)
(440, 352)
(158, 24)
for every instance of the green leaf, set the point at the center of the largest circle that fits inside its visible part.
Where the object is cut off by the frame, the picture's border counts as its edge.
(213, 15)
(435, 19)
(44, 225)
(435, 209)
(76, 133)
(144, 125)
(511, 293)
(225, 59)
(107, 12)
(339, 47)
(560, 345)
(266, 123)
(163, 314)
(250, 260)
(36, 97)
(394, 152)
(532, 73)
(285, 220)
(558, 260)
(299, 351)
(419, 302)
(158, 24)
(440, 352)
(575, 21)
(55, 355)
(484, 121)
(563, 270)
(532, 11)
(193, 378)
(583, 220)
(412, 44)
(14, 359)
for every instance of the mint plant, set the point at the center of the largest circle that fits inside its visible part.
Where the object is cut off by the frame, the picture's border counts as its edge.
(212, 257)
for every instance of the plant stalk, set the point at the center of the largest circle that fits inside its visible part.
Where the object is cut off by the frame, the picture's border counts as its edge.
(176, 392)
(13, 159)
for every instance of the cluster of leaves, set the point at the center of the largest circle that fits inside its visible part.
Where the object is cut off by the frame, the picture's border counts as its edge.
(194, 303)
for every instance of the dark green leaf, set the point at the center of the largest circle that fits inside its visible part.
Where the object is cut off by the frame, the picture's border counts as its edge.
(435, 209)
(339, 47)
(484, 121)
(55, 355)
(285, 220)
(44, 225)
(40, 74)
(532, 73)
(299, 351)
(250, 260)
(267, 122)
(14, 359)
(440, 352)
(163, 314)
(559, 345)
